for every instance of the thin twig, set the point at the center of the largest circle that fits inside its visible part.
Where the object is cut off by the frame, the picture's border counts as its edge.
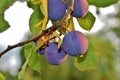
(49, 30)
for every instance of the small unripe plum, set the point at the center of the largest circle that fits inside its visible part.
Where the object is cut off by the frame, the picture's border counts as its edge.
(75, 43)
(54, 55)
(56, 9)
(80, 8)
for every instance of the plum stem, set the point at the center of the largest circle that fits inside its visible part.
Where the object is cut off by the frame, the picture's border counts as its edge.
(44, 32)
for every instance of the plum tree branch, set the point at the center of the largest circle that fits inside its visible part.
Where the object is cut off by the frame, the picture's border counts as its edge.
(49, 30)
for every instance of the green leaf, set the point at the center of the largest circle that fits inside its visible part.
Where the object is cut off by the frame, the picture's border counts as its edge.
(35, 7)
(3, 23)
(102, 3)
(2, 77)
(87, 22)
(35, 1)
(32, 59)
(87, 62)
(4, 4)
(36, 22)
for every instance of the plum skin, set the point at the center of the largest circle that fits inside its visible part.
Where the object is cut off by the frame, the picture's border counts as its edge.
(53, 55)
(80, 8)
(56, 9)
(75, 43)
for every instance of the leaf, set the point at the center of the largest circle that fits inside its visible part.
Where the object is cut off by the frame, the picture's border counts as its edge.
(70, 24)
(35, 1)
(102, 3)
(2, 77)
(3, 24)
(35, 7)
(32, 59)
(36, 22)
(4, 4)
(88, 62)
(87, 22)
(44, 8)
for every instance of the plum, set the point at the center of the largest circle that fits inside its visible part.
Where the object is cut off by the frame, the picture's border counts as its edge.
(75, 43)
(56, 9)
(41, 51)
(54, 55)
(80, 8)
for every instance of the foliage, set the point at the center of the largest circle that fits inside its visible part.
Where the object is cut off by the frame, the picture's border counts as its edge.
(96, 58)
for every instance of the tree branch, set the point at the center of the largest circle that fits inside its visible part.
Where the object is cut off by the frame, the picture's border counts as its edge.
(49, 30)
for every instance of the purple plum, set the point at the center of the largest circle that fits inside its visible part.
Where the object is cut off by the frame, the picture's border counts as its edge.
(80, 8)
(56, 9)
(54, 55)
(75, 43)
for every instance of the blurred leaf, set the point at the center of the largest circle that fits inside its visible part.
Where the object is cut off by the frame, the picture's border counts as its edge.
(102, 3)
(117, 31)
(32, 59)
(4, 4)
(3, 23)
(2, 77)
(87, 22)
(87, 62)
(35, 22)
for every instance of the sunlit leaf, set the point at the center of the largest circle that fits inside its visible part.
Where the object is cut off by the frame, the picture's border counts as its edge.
(87, 22)
(3, 23)
(43, 8)
(87, 62)
(2, 77)
(35, 1)
(102, 3)
(36, 22)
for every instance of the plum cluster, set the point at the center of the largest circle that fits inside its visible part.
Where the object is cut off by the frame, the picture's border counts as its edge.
(74, 43)
(57, 9)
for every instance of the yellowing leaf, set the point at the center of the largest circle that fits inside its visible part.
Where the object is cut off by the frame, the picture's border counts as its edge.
(2, 77)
